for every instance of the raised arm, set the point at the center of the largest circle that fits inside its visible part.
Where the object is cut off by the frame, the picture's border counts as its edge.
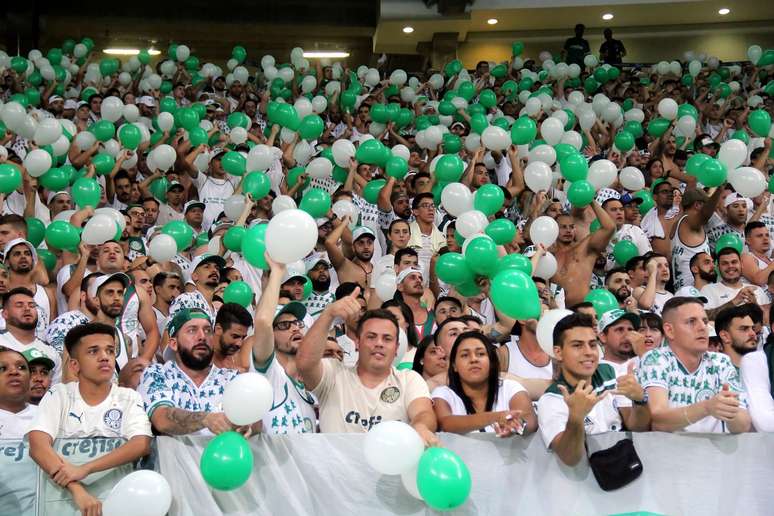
(332, 244)
(263, 343)
(600, 238)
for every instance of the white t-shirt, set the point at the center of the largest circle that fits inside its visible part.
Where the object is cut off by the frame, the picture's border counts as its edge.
(718, 294)
(628, 232)
(16, 426)
(347, 406)
(63, 413)
(755, 377)
(505, 393)
(212, 192)
(9, 341)
(292, 409)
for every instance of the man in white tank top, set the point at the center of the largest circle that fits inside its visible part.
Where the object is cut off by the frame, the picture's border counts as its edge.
(688, 235)
(653, 295)
(20, 258)
(522, 355)
(757, 264)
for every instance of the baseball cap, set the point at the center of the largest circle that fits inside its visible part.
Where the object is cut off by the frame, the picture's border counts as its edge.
(708, 142)
(294, 271)
(147, 100)
(405, 273)
(54, 98)
(175, 184)
(606, 194)
(207, 258)
(70, 104)
(18, 241)
(735, 197)
(101, 280)
(53, 195)
(628, 198)
(183, 316)
(656, 183)
(691, 291)
(294, 308)
(693, 195)
(221, 224)
(35, 356)
(321, 221)
(311, 261)
(613, 316)
(362, 231)
(193, 204)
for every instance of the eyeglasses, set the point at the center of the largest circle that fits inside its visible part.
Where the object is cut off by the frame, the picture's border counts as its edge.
(425, 205)
(285, 325)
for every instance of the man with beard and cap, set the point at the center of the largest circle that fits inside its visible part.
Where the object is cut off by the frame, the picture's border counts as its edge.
(21, 319)
(736, 331)
(318, 271)
(731, 290)
(59, 202)
(41, 367)
(184, 395)
(279, 330)
(21, 258)
(688, 235)
(359, 268)
(617, 333)
(737, 209)
(172, 209)
(205, 274)
(618, 283)
(293, 282)
(575, 258)
(231, 327)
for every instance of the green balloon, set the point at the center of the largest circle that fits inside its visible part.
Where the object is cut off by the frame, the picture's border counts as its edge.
(86, 192)
(159, 188)
(627, 105)
(311, 127)
(623, 251)
(254, 246)
(10, 178)
(227, 461)
(449, 168)
(452, 268)
(713, 173)
(192, 63)
(201, 239)
(729, 240)
(103, 130)
(348, 99)
(635, 128)
(687, 109)
(234, 163)
(574, 167)
(466, 90)
(33, 97)
(487, 98)
(238, 292)
(580, 193)
(62, 235)
(481, 255)
(36, 231)
(239, 53)
(378, 113)
(233, 238)
(517, 48)
(18, 64)
(468, 289)
(397, 167)
(166, 87)
(257, 184)
(405, 117)
(502, 231)
(647, 201)
(103, 163)
(602, 299)
(600, 74)
(695, 162)
(478, 123)
(293, 175)
(445, 107)
(443, 479)
(47, 257)
(181, 232)
(501, 122)
(563, 150)
(740, 134)
(595, 225)
(372, 188)
(288, 117)
(760, 122)
(523, 130)
(316, 202)
(590, 85)
(509, 88)
(624, 140)
(515, 261)
(55, 179)
(514, 293)
(499, 71)
(168, 105)
(130, 136)
(613, 73)
(187, 118)
(452, 143)
(197, 136)
(657, 127)
(238, 119)
(369, 151)
(489, 199)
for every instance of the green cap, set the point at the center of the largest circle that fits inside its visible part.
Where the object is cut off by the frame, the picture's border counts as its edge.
(183, 316)
(294, 307)
(33, 356)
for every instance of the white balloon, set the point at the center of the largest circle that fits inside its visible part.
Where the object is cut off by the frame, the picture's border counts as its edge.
(234, 206)
(694, 68)
(319, 168)
(65, 215)
(748, 181)
(398, 78)
(37, 162)
(436, 81)
(302, 153)
(471, 222)
(13, 115)
(131, 113)
(433, 136)
(260, 157)
(267, 60)
(319, 104)
(409, 479)
(572, 138)
(533, 106)
(303, 107)
(538, 176)
(544, 230)
(590, 60)
(61, 146)
(456, 199)
(667, 108)
(129, 162)
(407, 94)
(754, 52)
(162, 248)
(599, 103)
(290, 222)
(495, 138)
(732, 153)
(393, 447)
(112, 109)
(332, 87)
(111, 147)
(143, 492)
(238, 135)
(385, 286)
(247, 398)
(28, 127)
(165, 121)
(48, 131)
(99, 229)
(635, 114)
(472, 142)
(602, 173)
(164, 157)
(687, 126)
(546, 267)
(308, 84)
(182, 53)
(342, 151)
(286, 74)
(288, 135)
(611, 112)
(632, 179)
(544, 153)
(545, 328)
(372, 77)
(401, 151)
(282, 203)
(551, 130)
(344, 208)
(586, 120)
(377, 128)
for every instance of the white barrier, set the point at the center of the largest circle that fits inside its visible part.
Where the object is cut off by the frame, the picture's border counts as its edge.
(319, 475)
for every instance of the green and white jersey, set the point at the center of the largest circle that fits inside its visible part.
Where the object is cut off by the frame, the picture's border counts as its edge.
(552, 411)
(316, 302)
(661, 368)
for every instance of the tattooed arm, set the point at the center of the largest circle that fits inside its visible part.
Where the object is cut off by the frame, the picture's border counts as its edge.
(176, 421)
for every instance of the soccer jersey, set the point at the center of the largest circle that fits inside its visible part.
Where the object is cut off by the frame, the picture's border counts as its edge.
(661, 368)
(213, 192)
(63, 413)
(57, 330)
(316, 302)
(553, 412)
(292, 409)
(505, 392)
(15, 425)
(628, 232)
(718, 294)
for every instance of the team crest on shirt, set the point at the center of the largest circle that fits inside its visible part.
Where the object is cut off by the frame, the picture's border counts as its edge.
(390, 395)
(112, 419)
(704, 395)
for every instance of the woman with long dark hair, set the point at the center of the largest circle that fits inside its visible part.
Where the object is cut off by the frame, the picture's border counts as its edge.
(476, 399)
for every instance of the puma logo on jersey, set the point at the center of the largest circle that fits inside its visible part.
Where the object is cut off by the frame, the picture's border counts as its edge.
(76, 416)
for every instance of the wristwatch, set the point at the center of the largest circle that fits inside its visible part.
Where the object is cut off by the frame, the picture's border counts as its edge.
(643, 401)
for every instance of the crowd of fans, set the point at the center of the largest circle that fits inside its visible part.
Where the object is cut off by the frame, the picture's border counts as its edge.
(104, 338)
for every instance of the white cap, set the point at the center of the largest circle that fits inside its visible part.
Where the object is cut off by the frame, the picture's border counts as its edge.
(16, 241)
(147, 100)
(52, 195)
(101, 280)
(735, 197)
(405, 273)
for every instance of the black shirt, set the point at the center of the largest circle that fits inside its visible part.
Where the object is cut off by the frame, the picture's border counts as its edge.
(612, 51)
